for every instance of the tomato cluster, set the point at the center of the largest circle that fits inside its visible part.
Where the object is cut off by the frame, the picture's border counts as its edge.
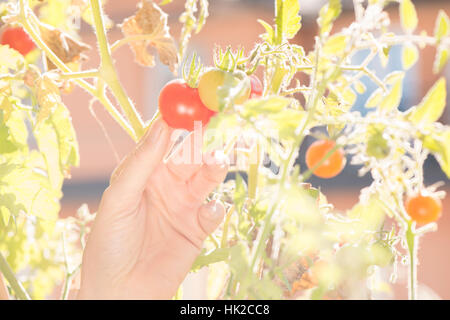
(331, 166)
(18, 39)
(181, 105)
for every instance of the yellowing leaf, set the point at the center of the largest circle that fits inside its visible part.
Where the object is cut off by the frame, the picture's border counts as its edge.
(152, 21)
(54, 132)
(432, 106)
(442, 27)
(328, 14)
(408, 16)
(441, 59)
(48, 98)
(410, 55)
(68, 49)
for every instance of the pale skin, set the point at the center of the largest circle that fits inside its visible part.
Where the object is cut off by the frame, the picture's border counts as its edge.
(152, 220)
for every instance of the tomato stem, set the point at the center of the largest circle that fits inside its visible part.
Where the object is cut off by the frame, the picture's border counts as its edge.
(411, 240)
(15, 284)
(253, 173)
(109, 74)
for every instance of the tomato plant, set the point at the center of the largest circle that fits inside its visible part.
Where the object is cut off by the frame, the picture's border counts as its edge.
(18, 39)
(280, 237)
(181, 107)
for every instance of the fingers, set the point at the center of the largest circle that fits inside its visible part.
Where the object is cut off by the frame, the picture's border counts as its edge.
(211, 174)
(210, 216)
(187, 158)
(133, 173)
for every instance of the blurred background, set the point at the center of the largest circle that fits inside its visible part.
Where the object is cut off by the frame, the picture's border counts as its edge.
(234, 22)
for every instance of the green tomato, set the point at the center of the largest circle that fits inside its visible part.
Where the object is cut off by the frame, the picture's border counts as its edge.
(377, 146)
(215, 81)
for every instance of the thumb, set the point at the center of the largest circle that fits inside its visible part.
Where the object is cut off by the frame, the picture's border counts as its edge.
(210, 215)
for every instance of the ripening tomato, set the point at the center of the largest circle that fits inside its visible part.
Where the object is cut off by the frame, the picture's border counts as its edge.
(330, 167)
(18, 39)
(256, 87)
(180, 106)
(423, 209)
(211, 80)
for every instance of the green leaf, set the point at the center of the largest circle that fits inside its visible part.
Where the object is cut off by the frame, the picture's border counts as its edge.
(254, 107)
(11, 60)
(13, 133)
(278, 78)
(408, 16)
(221, 129)
(392, 100)
(410, 55)
(335, 45)
(360, 87)
(286, 122)
(239, 261)
(269, 35)
(217, 255)
(375, 98)
(441, 59)
(240, 192)
(6, 107)
(288, 21)
(432, 105)
(439, 144)
(377, 145)
(442, 27)
(328, 14)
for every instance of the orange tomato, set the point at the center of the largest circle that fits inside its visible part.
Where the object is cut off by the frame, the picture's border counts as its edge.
(330, 167)
(423, 209)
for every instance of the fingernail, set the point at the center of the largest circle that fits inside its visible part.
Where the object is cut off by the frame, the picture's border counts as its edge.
(214, 211)
(220, 158)
(157, 130)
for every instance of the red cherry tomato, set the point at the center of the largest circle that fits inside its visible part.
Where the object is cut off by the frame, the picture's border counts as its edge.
(18, 39)
(180, 106)
(330, 167)
(423, 209)
(256, 87)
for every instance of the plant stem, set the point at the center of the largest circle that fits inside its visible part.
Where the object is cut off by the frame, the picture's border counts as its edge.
(109, 73)
(15, 284)
(68, 282)
(253, 173)
(81, 74)
(3, 289)
(411, 240)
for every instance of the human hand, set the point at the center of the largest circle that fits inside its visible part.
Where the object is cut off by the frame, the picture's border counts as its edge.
(152, 220)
